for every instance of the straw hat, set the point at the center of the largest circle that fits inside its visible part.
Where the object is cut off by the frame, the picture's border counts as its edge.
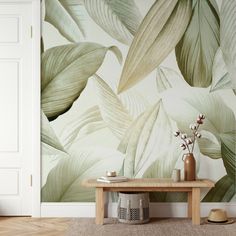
(218, 216)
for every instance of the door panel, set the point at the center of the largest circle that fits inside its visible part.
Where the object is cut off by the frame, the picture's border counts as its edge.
(16, 109)
(10, 26)
(9, 97)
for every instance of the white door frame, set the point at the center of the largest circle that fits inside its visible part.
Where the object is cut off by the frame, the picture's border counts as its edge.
(36, 112)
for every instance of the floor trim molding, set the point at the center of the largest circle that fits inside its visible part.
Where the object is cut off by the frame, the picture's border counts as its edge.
(87, 209)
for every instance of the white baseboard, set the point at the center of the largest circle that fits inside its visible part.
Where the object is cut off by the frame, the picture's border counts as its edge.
(87, 209)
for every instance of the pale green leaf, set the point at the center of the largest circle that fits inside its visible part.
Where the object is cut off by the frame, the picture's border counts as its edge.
(119, 18)
(65, 71)
(223, 191)
(145, 144)
(134, 102)
(66, 16)
(113, 112)
(81, 125)
(162, 169)
(168, 78)
(158, 34)
(64, 181)
(220, 75)
(196, 50)
(48, 162)
(209, 145)
(228, 37)
(228, 147)
(50, 142)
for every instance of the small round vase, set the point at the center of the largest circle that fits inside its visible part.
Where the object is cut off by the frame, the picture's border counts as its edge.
(189, 167)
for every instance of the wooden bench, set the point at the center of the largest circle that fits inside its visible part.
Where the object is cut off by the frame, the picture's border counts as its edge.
(151, 185)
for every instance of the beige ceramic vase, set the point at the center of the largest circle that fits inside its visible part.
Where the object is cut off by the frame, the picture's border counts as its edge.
(189, 167)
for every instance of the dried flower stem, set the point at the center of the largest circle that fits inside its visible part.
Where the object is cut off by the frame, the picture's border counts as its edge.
(186, 144)
(194, 137)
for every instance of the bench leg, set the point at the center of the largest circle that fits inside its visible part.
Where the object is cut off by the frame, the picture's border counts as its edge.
(190, 204)
(99, 206)
(196, 206)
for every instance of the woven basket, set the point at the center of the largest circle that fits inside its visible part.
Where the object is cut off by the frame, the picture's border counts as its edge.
(133, 208)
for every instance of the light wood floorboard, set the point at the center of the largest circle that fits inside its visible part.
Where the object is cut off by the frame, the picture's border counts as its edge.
(27, 226)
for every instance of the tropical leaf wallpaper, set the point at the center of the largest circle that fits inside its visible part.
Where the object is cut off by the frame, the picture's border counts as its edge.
(119, 77)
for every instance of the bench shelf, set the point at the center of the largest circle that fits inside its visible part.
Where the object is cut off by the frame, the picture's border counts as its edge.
(193, 188)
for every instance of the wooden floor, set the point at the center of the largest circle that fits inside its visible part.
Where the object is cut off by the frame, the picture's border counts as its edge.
(27, 226)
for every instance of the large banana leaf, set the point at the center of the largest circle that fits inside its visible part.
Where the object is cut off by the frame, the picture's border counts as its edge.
(50, 142)
(228, 37)
(66, 16)
(48, 162)
(64, 181)
(65, 71)
(151, 133)
(223, 191)
(210, 145)
(228, 147)
(113, 112)
(160, 31)
(84, 124)
(220, 75)
(196, 50)
(119, 18)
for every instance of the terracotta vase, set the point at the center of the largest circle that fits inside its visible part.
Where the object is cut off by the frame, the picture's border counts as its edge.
(189, 167)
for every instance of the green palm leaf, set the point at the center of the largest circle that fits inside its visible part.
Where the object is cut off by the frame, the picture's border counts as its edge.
(50, 142)
(228, 37)
(66, 16)
(64, 181)
(196, 50)
(160, 31)
(65, 71)
(119, 18)
(228, 147)
(220, 75)
(81, 125)
(223, 191)
(112, 110)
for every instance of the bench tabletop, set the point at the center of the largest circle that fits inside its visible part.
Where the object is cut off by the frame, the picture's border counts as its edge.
(150, 182)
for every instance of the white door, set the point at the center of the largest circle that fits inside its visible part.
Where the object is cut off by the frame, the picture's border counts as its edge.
(15, 108)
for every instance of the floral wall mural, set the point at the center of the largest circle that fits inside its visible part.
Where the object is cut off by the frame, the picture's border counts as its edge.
(120, 77)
